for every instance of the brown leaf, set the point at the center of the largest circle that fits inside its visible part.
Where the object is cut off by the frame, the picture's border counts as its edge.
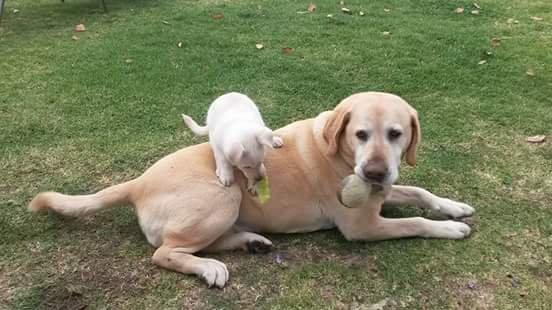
(217, 16)
(536, 18)
(536, 139)
(530, 72)
(287, 50)
(459, 10)
(312, 7)
(495, 42)
(80, 28)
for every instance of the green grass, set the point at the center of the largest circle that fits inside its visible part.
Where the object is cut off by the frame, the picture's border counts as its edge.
(76, 116)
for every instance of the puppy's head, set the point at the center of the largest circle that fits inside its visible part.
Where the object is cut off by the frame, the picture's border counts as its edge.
(372, 132)
(248, 155)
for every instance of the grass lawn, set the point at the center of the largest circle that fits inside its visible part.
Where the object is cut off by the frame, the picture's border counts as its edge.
(77, 115)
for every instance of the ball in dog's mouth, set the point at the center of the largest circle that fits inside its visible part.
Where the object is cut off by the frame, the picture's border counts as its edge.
(355, 192)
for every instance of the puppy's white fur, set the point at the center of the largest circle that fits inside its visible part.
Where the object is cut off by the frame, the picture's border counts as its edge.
(238, 136)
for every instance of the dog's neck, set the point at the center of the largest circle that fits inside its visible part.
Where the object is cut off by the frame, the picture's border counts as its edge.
(340, 162)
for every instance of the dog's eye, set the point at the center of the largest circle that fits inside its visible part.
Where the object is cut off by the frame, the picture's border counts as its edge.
(394, 134)
(362, 135)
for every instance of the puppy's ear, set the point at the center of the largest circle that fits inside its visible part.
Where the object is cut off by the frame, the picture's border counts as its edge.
(334, 127)
(265, 137)
(415, 138)
(235, 152)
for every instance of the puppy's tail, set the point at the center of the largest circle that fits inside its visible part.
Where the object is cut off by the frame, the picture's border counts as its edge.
(81, 205)
(198, 130)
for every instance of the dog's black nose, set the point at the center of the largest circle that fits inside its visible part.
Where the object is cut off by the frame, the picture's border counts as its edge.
(376, 173)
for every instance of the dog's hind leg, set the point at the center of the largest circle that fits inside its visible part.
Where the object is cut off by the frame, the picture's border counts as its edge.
(210, 270)
(247, 241)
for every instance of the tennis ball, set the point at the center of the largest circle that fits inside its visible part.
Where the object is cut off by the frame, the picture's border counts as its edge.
(356, 193)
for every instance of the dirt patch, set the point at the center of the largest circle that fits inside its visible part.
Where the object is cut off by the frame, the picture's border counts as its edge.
(61, 297)
(472, 294)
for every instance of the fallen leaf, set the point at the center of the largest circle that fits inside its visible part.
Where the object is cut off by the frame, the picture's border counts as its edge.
(361, 13)
(512, 21)
(329, 15)
(495, 42)
(387, 10)
(536, 139)
(488, 53)
(475, 12)
(129, 61)
(476, 5)
(217, 16)
(459, 10)
(287, 50)
(259, 46)
(346, 11)
(482, 62)
(165, 22)
(312, 7)
(75, 38)
(386, 33)
(530, 72)
(80, 28)
(179, 44)
(15, 11)
(536, 18)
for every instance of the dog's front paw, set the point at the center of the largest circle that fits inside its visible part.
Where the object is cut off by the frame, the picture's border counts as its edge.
(453, 208)
(277, 142)
(448, 230)
(224, 177)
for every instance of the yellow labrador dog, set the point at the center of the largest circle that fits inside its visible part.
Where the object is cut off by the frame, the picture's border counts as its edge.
(183, 209)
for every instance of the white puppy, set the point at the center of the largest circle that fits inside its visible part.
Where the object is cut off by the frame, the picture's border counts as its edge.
(238, 135)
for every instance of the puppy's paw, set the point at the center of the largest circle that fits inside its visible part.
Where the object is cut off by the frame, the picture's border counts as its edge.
(225, 178)
(252, 189)
(277, 142)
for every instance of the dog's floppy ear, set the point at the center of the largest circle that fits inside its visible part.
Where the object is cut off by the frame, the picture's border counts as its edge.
(334, 127)
(415, 138)
(265, 137)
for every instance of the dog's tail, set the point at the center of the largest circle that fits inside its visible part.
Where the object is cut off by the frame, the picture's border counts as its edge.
(198, 130)
(81, 205)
